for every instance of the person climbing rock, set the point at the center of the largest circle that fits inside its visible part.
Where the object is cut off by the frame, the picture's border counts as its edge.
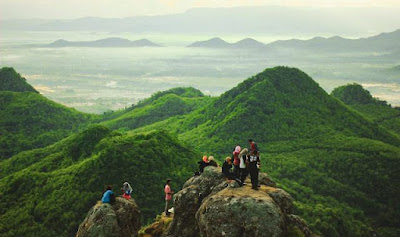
(108, 196)
(236, 161)
(254, 165)
(168, 196)
(242, 165)
(127, 189)
(212, 162)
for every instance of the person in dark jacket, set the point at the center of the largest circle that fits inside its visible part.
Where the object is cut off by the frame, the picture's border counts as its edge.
(226, 169)
(212, 162)
(253, 161)
(202, 164)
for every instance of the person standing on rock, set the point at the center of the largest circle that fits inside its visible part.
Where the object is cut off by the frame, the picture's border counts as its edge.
(168, 196)
(254, 147)
(254, 164)
(242, 165)
(108, 195)
(236, 161)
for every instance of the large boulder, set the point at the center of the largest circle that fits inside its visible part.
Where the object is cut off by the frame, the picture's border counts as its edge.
(117, 220)
(210, 205)
(240, 212)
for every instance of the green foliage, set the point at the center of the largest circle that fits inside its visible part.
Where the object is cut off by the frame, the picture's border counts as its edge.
(340, 162)
(28, 120)
(159, 107)
(374, 109)
(51, 194)
(10, 80)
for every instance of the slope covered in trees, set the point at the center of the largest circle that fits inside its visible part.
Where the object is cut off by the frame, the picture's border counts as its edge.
(160, 106)
(339, 163)
(47, 191)
(361, 100)
(10, 80)
(28, 120)
(312, 144)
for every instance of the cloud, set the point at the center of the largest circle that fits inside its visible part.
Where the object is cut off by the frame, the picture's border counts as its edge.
(51, 9)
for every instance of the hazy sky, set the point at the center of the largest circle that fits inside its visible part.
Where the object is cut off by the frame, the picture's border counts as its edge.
(61, 9)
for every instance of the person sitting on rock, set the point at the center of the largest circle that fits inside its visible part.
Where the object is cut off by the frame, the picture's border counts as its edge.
(254, 164)
(242, 165)
(212, 162)
(226, 169)
(168, 196)
(202, 164)
(108, 196)
(127, 189)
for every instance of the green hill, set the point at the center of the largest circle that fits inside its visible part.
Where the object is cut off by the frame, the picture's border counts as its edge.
(340, 164)
(47, 191)
(28, 120)
(10, 80)
(160, 106)
(361, 100)
(313, 144)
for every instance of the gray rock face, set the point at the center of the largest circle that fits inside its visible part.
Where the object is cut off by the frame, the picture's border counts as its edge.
(210, 205)
(240, 213)
(117, 220)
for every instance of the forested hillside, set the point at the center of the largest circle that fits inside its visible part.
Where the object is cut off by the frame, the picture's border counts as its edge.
(312, 144)
(160, 106)
(47, 191)
(361, 100)
(339, 160)
(10, 80)
(29, 120)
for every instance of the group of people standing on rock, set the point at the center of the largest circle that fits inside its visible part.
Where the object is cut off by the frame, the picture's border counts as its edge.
(237, 167)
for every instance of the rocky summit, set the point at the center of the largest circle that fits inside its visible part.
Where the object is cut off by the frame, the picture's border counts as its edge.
(209, 205)
(117, 220)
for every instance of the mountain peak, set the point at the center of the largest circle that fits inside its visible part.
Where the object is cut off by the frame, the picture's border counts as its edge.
(10, 80)
(353, 94)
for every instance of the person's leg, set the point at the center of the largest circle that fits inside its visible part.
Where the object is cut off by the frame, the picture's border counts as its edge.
(243, 175)
(236, 170)
(252, 176)
(166, 207)
(257, 173)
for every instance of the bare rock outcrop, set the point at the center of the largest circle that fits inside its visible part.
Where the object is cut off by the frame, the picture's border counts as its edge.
(117, 220)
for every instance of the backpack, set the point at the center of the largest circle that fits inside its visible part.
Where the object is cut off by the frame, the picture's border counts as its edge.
(112, 198)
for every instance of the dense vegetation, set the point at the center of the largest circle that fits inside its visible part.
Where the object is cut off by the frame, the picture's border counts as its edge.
(48, 191)
(160, 106)
(28, 120)
(340, 160)
(371, 108)
(312, 144)
(10, 80)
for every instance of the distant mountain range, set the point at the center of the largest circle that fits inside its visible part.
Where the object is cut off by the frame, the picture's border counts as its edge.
(219, 43)
(108, 42)
(382, 42)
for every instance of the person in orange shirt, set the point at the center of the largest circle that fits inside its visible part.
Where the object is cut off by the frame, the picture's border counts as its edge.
(168, 196)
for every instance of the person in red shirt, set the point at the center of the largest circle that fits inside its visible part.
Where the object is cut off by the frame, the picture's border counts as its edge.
(168, 196)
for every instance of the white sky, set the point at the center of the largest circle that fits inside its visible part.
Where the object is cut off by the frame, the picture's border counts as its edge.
(63, 9)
